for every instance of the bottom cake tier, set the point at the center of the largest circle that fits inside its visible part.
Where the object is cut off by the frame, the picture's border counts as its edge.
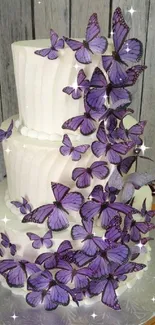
(16, 232)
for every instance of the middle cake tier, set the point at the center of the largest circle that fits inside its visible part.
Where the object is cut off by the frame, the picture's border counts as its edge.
(32, 165)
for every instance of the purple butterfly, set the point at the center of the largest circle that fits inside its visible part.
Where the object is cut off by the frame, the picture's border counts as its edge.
(57, 212)
(111, 117)
(16, 272)
(148, 215)
(99, 205)
(51, 260)
(86, 122)
(135, 228)
(38, 242)
(107, 285)
(125, 164)
(7, 244)
(1, 252)
(69, 274)
(68, 149)
(113, 151)
(46, 290)
(6, 134)
(124, 51)
(92, 243)
(56, 45)
(83, 176)
(133, 133)
(113, 253)
(24, 207)
(78, 88)
(116, 94)
(92, 45)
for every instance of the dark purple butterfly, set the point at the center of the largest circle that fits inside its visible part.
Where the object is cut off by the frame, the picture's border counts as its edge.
(83, 176)
(107, 285)
(113, 151)
(56, 45)
(24, 207)
(135, 228)
(86, 122)
(57, 212)
(124, 51)
(51, 260)
(133, 133)
(99, 205)
(16, 272)
(148, 215)
(7, 244)
(92, 243)
(125, 164)
(103, 90)
(92, 45)
(68, 149)
(111, 117)
(1, 252)
(81, 259)
(79, 87)
(68, 273)
(6, 134)
(38, 241)
(49, 291)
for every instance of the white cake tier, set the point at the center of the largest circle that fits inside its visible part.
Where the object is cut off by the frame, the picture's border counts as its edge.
(17, 235)
(43, 107)
(32, 165)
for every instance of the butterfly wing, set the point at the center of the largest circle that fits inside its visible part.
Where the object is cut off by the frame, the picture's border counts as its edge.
(5, 240)
(37, 243)
(120, 29)
(93, 28)
(60, 44)
(98, 45)
(117, 73)
(118, 254)
(73, 201)
(133, 74)
(34, 298)
(58, 220)
(99, 169)
(73, 123)
(43, 52)
(59, 190)
(47, 239)
(119, 97)
(83, 55)
(13, 249)
(39, 214)
(73, 44)
(87, 126)
(109, 296)
(131, 50)
(16, 277)
(66, 149)
(107, 61)
(9, 130)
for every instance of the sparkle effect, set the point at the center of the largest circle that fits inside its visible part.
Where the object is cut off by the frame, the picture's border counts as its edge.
(76, 66)
(14, 316)
(5, 220)
(94, 315)
(153, 299)
(111, 33)
(143, 148)
(7, 150)
(140, 245)
(131, 11)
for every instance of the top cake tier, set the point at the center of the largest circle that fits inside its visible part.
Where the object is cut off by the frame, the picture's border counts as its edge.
(43, 106)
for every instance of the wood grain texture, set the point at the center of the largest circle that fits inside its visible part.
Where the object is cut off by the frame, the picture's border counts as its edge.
(81, 10)
(15, 24)
(51, 14)
(148, 98)
(138, 23)
(2, 165)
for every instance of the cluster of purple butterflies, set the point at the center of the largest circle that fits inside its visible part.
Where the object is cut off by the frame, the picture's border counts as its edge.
(104, 261)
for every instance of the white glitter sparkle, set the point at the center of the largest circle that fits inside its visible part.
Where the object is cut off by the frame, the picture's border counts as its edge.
(7, 150)
(24, 145)
(14, 316)
(111, 33)
(105, 96)
(127, 49)
(140, 245)
(76, 66)
(131, 11)
(143, 148)
(153, 299)
(5, 219)
(94, 315)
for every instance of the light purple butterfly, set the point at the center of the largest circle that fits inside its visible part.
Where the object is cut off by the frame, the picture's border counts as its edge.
(113, 151)
(68, 273)
(133, 133)
(24, 207)
(99, 205)
(68, 149)
(124, 51)
(6, 134)
(83, 176)
(116, 94)
(51, 260)
(56, 45)
(93, 44)
(81, 86)
(86, 122)
(38, 241)
(7, 244)
(136, 228)
(148, 215)
(58, 211)
(16, 272)
(109, 284)
(49, 291)
(92, 243)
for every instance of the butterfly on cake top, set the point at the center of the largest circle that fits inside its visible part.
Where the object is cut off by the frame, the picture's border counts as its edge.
(102, 262)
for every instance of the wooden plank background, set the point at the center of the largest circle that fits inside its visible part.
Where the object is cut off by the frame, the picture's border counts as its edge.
(30, 19)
